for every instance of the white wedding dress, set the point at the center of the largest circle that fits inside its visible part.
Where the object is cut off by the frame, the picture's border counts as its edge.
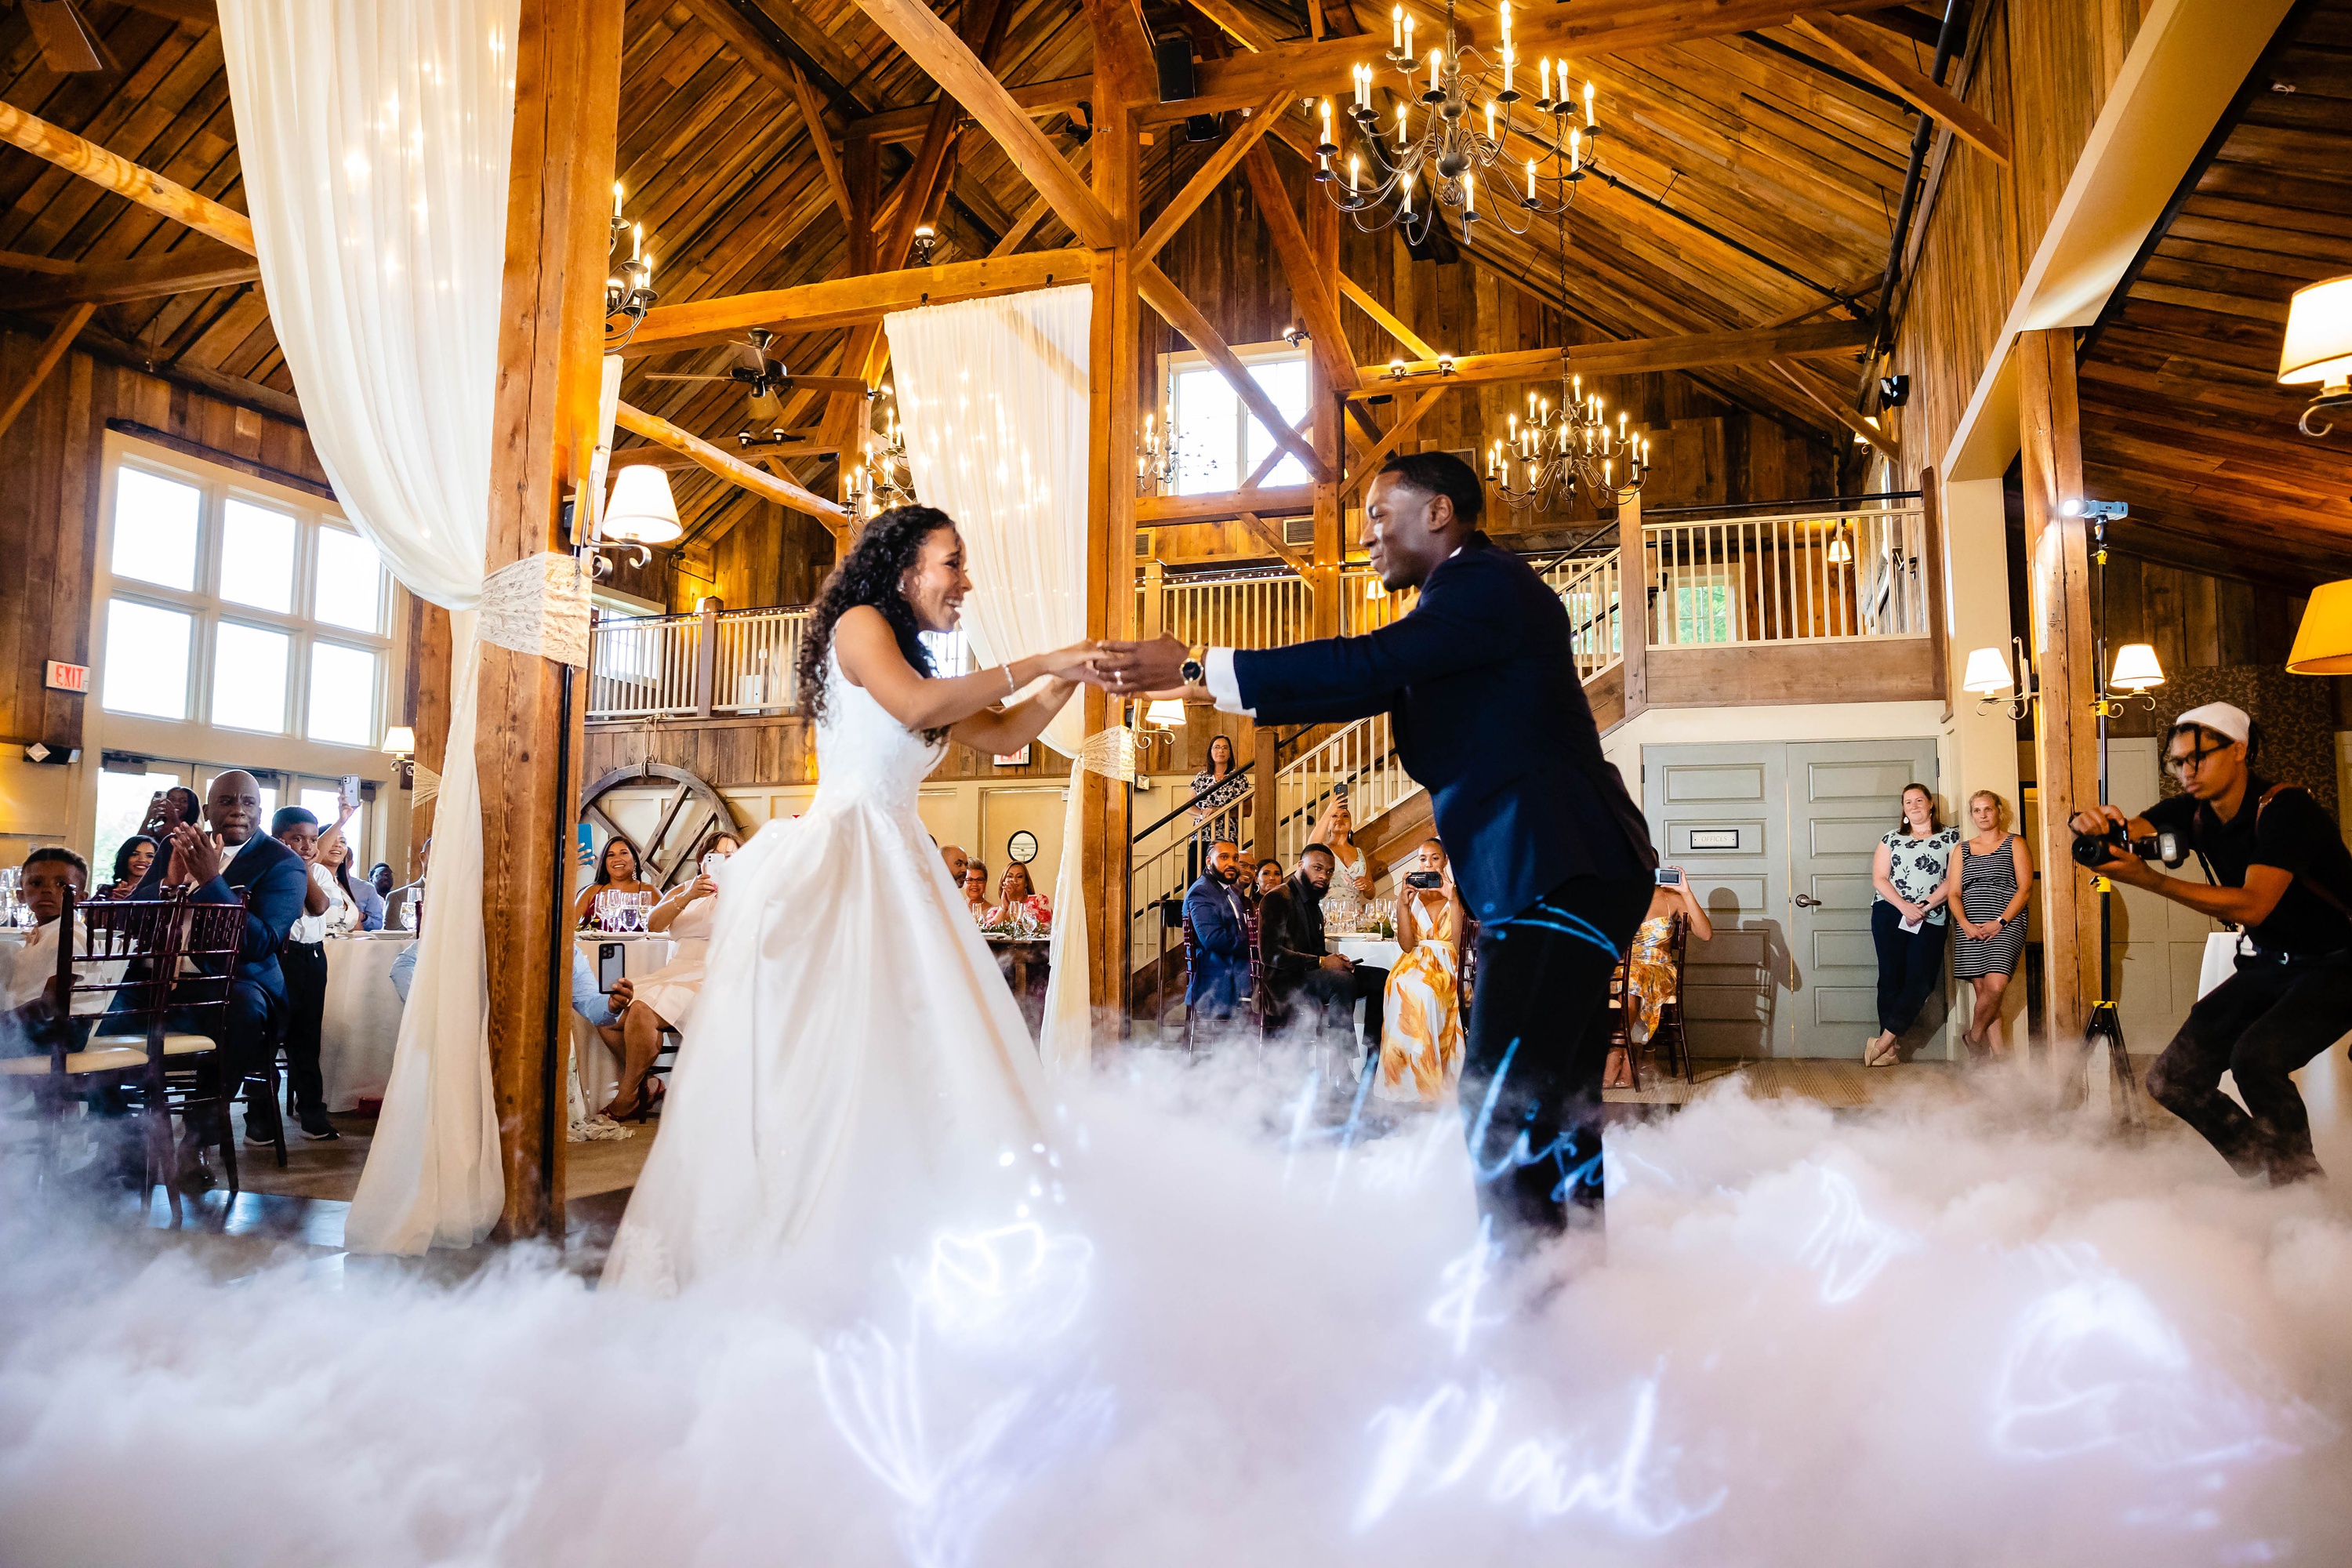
(855, 1078)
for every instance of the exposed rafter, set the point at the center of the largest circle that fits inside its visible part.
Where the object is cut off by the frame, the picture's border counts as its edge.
(193, 269)
(1876, 59)
(80, 155)
(849, 301)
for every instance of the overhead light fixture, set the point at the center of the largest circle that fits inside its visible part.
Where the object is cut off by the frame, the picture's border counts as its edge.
(2097, 510)
(2322, 643)
(642, 510)
(1840, 547)
(2318, 348)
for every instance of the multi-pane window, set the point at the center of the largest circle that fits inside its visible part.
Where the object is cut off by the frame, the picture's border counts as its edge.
(1219, 442)
(240, 610)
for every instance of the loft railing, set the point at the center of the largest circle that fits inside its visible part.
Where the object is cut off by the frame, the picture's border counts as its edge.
(1588, 588)
(1847, 577)
(709, 664)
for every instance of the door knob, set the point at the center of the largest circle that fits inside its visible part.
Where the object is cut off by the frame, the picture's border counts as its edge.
(1807, 902)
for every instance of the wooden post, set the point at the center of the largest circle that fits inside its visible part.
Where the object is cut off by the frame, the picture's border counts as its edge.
(1264, 739)
(1123, 77)
(1154, 593)
(1330, 547)
(705, 655)
(2065, 742)
(428, 718)
(1633, 603)
(550, 349)
(1939, 635)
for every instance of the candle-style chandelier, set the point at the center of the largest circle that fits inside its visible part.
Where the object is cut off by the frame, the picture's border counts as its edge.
(881, 477)
(1160, 459)
(1540, 462)
(630, 295)
(1393, 176)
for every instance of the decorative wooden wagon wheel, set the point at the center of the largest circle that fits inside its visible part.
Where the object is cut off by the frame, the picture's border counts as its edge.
(693, 812)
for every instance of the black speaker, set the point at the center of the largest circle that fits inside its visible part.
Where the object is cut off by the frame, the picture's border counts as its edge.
(1173, 57)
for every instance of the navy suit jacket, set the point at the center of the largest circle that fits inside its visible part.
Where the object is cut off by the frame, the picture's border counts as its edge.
(271, 879)
(1480, 681)
(1220, 942)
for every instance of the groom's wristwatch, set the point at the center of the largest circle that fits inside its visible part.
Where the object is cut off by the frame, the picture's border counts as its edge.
(1193, 669)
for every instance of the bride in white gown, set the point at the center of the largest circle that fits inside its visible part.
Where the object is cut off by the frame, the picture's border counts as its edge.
(856, 1074)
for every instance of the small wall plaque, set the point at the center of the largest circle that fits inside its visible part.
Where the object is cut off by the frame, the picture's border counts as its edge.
(1714, 838)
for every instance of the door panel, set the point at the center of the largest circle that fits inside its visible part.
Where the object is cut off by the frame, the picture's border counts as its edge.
(1843, 797)
(1717, 811)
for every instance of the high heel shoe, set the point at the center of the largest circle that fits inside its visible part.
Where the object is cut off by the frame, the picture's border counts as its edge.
(1875, 1055)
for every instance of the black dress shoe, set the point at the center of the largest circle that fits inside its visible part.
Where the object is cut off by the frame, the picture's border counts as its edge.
(316, 1128)
(261, 1122)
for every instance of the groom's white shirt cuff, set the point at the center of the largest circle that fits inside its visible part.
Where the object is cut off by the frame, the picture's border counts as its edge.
(1223, 685)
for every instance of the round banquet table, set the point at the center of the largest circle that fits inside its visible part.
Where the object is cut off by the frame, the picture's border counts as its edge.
(361, 1023)
(1025, 962)
(1379, 952)
(597, 1069)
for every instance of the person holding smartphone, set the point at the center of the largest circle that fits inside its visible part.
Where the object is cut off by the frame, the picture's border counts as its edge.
(1421, 1030)
(1651, 974)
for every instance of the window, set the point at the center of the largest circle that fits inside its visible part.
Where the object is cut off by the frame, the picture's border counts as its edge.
(123, 800)
(1219, 443)
(326, 805)
(238, 607)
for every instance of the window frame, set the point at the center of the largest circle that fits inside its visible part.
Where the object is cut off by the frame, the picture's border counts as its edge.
(1277, 352)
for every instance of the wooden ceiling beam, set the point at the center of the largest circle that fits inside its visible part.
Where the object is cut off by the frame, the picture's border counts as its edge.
(80, 155)
(1271, 537)
(1873, 57)
(1038, 209)
(745, 43)
(53, 348)
(17, 261)
(1638, 357)
(1038, 100)
(1383, 318)
(1242, 141)
(731, 468)
(813, 116)
(1221, 506)
(1408, 420)
(1310, 291)
(192, 268)
(1317, 70)
(1181, 313)
(1237, 25)
(1839, 412)
(847, 301)
(934, 46)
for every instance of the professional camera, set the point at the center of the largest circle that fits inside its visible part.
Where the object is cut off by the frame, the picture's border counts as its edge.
(2093, 848)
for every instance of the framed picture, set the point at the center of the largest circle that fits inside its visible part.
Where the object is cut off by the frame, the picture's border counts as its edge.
(1019, 759)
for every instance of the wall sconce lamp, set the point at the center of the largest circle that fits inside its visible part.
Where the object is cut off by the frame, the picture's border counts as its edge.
(2322, 643)
(1988, 675)
(400, 744)
(2318, 348)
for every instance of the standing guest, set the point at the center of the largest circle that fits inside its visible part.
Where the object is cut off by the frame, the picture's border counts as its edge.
(302, 959)
(1912, 873)
(367, 903)
(1420, 1044)
(957, 860)
(1300, 963)
(1217, 793)
(131, 858)
(229, 861)
(1016, 896)
(1269, 878)
(616, 871)
(664, 998)
(1351, 880)
(1650, 973)
(1219, 919)
(975, 890)
(1996, 881)
(1553, 856)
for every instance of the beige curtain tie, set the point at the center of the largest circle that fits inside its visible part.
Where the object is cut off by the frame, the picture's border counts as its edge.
(537, 605)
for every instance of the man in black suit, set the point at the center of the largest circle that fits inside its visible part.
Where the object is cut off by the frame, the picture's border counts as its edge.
(1552, 856)
(235, 862)
(1220, 975)
(1298, 962)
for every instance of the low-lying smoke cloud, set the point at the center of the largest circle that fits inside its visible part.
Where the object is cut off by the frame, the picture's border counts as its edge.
(1256, 1333)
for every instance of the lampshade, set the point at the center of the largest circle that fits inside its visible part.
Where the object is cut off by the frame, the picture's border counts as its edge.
(1987, 672)
(2318, 345)
(642, 510)
(1841, 547)
(400, 740)
(2322, 643)
(2136, 669)
(1165, 712)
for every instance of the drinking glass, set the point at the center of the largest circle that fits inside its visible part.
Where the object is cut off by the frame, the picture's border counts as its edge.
(408, 913)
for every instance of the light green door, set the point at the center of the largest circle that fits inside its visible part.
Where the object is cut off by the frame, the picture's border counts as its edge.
(1843, 797)
(1717, 811)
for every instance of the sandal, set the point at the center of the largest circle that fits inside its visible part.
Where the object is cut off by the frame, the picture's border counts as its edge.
(650, 1094)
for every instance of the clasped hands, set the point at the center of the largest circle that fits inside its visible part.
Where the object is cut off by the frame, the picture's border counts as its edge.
(1152, 668)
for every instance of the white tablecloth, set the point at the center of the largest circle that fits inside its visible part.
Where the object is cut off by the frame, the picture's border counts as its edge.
(361, 1022)
(596, 1071)
(1377, 951)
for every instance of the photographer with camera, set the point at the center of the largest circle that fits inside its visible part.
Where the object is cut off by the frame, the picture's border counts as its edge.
(2277, 868)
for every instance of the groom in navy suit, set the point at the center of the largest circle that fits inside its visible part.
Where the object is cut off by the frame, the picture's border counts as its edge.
(1552, 854)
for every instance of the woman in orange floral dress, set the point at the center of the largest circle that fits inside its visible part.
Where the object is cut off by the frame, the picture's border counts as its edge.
(1421, 1041)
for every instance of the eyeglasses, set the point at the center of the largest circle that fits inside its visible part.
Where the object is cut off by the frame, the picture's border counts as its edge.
(2189, 762)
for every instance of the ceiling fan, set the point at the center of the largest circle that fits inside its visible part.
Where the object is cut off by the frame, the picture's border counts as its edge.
(68, 42)
(767, 380)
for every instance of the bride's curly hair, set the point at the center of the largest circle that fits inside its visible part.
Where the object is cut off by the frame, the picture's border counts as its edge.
(870, 575)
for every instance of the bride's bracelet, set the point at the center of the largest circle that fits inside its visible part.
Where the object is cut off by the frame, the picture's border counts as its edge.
(1008, 687)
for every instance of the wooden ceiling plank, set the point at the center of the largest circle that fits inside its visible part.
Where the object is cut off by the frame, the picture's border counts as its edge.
(1872, 57)
(1636, 356)
(1036, 213)
(1238, 143)
(53, 348)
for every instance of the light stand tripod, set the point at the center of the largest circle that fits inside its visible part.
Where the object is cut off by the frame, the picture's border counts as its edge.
(2105, 1021)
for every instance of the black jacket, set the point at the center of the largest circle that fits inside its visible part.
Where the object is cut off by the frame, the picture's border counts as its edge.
(1480, 680)
(1290, 931)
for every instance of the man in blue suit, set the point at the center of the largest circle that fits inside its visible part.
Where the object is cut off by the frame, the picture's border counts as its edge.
(1220, 976)
(1552, 856)
(231, 860)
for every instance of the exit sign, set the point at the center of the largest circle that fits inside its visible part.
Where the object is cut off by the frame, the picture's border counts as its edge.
(64, 677)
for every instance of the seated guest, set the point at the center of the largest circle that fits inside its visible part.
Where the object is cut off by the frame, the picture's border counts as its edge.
(975, 890)
(232, 863)
(1650, 968)
(1016, 896)
(616, 871)
(1219, 919)
(29, 1016)
(665, 999)
(167, 808)
(367, 904)
(1269, 878)
(131, 858)
(957, 860)
(302, 959)
(1297, 962)
(1420, 1044)
(381, 879)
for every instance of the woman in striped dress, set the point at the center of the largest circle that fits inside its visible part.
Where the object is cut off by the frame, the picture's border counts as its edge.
(1996, 880)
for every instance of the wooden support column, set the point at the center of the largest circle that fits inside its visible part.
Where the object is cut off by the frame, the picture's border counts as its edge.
(1633, 604)
(551, 352)
(1123, 77)
(2066, 739)
(1265, 751)
(428, 719)
(1330, 546)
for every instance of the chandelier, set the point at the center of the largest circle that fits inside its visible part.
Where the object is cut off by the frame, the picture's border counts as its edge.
(1160, 459)
(627, 297)
(1538, 463)
(881, 477)
(1394, 176)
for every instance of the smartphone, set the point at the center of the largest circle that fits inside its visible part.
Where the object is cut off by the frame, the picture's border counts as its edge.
(1670, 877)
(1340, 789)
(346, 793)
(612, 965)
(1423, 879)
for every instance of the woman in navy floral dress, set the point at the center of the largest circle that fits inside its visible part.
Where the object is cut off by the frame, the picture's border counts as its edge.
(1912, 872)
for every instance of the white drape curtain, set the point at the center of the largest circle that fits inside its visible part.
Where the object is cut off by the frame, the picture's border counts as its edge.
(374, 137)
(993, 393)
